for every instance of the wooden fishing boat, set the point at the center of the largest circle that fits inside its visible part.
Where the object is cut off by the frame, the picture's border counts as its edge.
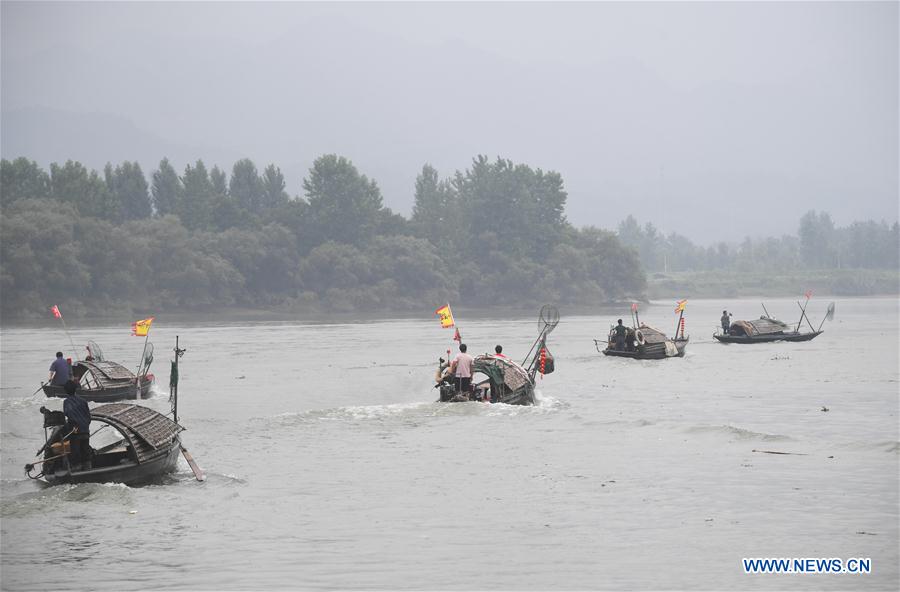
(140, 444)
(497, 378)
(763, 330)
(104, 382)
(768, 329)
(643, 343)
(145, 446)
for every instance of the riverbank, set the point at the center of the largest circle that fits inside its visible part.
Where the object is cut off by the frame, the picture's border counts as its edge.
(736, 284)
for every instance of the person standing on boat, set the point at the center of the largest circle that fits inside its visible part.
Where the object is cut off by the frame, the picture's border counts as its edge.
(726, 321)
(78, 415)
(498, 351)
(60, 371)
(461, 368)
(621, 332)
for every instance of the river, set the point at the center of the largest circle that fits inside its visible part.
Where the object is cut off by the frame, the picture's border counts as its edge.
(330, 466)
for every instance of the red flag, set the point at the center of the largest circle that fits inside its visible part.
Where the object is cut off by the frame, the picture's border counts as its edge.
(457, 336)
(634, 307)
(808, 294)
(55, 310)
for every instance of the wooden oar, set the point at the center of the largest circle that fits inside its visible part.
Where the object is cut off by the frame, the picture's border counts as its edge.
(31, 396)
(30, 466)
(190, 460)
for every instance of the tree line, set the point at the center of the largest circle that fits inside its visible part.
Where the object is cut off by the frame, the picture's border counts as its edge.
(818, 245)
(492, 235)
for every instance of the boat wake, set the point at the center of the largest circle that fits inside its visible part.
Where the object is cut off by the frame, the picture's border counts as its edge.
(410, 412)
(737, 433)
(23, 403)
(41, 498)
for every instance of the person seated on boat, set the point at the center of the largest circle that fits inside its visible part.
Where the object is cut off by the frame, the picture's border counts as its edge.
(89, 357)
(621, 333)
(78, 425)
(498, 351)
(60, 372)
(631, 340)
(726, 321)
(461, 369)
(443, 374)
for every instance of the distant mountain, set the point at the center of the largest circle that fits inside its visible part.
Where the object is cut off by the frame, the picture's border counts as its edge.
(51, 135)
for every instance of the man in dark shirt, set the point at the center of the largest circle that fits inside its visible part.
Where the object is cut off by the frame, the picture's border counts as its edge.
(726, 322)
(78, 415)
(59, 371)
(621, 332)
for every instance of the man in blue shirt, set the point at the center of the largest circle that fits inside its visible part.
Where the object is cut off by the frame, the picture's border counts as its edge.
(78, 415)
(59, 371)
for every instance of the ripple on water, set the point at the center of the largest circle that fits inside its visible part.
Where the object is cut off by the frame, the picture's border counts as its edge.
(738, 433)
(50, 498)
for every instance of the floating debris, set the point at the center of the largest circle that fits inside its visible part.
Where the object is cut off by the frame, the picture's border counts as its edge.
(777, 452)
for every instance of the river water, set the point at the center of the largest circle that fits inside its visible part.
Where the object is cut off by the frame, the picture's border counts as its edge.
(330, 466)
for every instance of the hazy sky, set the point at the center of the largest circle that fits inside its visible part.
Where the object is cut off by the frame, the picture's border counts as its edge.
(716, 120)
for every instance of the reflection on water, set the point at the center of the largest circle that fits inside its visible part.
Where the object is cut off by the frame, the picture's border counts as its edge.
(330, 465)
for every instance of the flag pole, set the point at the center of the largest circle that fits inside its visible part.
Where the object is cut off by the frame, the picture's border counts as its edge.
(137, 378)
(72, 343)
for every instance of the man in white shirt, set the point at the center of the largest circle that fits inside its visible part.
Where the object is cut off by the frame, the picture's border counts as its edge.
(461, 368)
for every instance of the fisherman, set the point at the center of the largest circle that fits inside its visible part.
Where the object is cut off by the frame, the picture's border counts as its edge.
(461, 368)
(60, 371)
(496, 390)
(726, 321)
(621, 332)
(78, 416)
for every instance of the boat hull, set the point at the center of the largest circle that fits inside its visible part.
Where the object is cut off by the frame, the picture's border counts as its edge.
(129, 473)
(655, 351)
(768, 338)
(522, 396)
(105, 395)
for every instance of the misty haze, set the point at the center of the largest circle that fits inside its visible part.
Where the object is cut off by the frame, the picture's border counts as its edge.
(449, 295)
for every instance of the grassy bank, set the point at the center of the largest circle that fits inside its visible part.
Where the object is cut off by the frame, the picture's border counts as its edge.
(735, 284)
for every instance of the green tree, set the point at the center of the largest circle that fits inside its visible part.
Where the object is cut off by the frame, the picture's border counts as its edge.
(510, 207)
(435, 214)
(817, 240)
(198, 195)
(343, 203)
(22, 179)
(167, 190)
(267, 258)
(245, 186)
(219, 181)
(128, 187)
(72, 183)
(273, 193)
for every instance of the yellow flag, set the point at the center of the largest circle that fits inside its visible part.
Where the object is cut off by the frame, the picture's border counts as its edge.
(679, 306)
(142, 327)
(446, 316)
